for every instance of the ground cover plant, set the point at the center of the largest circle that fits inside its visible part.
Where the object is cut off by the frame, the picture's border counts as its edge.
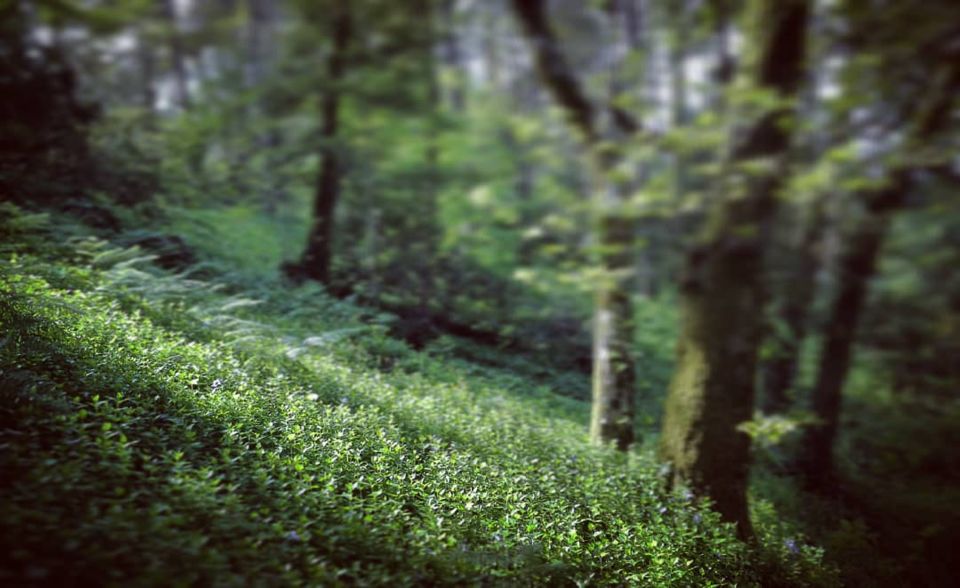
(461, 292)
(197, 451)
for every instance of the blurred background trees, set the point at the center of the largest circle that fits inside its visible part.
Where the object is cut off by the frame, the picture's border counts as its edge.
(496, 180)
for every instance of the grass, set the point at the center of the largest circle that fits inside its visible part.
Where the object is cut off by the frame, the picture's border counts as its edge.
(157, 430)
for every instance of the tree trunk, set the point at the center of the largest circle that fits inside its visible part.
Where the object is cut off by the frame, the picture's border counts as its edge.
(857, 266)
(677, 57)
(315, 262)
(713, 386)
(790, 329)
(145, 59)
(452, 58)
(258, 46)
(613, 371)
(177, 57)
(612, 414)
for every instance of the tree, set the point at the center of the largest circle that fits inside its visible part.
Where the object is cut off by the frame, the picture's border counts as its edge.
(177, 53)
(858, 262)
(315, 262)
(721, 290)
(796, 291)
(605, 130)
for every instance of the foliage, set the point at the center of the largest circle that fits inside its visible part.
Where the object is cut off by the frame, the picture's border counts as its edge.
(158, 429)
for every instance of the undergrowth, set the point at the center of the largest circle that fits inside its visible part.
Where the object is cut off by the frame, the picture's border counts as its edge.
(162, 430)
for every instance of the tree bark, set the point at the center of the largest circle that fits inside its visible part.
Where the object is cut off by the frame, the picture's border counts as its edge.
(713, 387)
(857, 266)
(612, 418)
(315, 262)
(796, 291)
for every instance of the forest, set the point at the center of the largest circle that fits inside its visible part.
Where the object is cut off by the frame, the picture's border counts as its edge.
(479, 293)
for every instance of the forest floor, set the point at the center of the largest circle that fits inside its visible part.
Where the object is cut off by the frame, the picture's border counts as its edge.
(157, 429)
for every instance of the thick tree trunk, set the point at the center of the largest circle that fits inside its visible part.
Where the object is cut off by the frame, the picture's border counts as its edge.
(613, 371)
(315, 262)
(796, 293)
(721, 294)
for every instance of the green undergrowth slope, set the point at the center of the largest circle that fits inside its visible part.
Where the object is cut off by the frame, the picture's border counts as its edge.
(158, 430)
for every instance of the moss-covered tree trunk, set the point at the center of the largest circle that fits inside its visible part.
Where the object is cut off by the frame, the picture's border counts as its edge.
(315, 262)
(713, 387)
(603, 129)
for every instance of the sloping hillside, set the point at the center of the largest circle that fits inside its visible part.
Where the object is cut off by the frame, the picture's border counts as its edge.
(160, 430)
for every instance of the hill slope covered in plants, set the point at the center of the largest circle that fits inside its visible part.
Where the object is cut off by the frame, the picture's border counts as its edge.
(162, 430)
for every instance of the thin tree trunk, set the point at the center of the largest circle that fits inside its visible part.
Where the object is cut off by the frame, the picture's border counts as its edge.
(678, 91)
(725, 66)
(258, 38)
(452, 58)
(439, 19)
(146, 60)
(857, 266)
(713, 387)
(613, 372)
(797, 292)
(315, 262)
(177, 57)
(614, 378)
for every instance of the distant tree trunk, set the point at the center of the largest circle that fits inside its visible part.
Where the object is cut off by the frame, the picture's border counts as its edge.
(857, 265)
(177, 56)
(146, 61)
(614, 378)
(678, 89)
(315, 261)
(725, 65)
(612, 419)
(258, 49)
(796, 293)
(721, 291)
(450, 48)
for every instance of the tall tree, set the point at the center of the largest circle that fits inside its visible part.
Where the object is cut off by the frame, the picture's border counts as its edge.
(713, 386)
(314, 264)
(858, 262)
(604, 129)
(796, 289)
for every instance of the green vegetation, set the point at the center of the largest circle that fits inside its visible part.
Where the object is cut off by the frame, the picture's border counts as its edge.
(463, 292)
(158, 428)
